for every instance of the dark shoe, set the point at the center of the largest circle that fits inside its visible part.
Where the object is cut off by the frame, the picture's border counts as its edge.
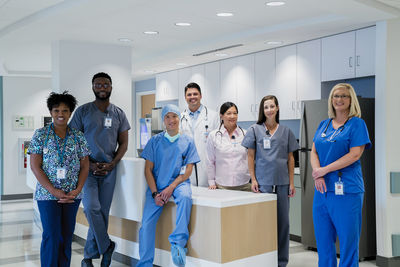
(107, 256)
(87, 263)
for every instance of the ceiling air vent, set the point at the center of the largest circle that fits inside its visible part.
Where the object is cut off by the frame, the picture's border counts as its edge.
(217, 50)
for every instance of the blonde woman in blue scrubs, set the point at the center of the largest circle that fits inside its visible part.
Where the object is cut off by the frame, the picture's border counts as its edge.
(338, 145)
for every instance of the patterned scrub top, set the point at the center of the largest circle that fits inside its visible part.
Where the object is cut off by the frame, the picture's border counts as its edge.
(75, 149)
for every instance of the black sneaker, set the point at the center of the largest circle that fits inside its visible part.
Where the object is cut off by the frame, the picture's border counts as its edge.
(87, 263)
(107, 256)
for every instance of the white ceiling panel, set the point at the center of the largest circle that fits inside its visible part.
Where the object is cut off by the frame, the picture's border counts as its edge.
(26, 36)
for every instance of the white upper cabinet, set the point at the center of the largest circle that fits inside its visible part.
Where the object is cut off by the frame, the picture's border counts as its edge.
(348, 55)
(212, 85)
(167, 86)
(264, 76)
(308, 72)
(365, 52)
(338, 54)
(285, 86)
(237, 85)
(245, 88)
(184, 76)
(228, 80)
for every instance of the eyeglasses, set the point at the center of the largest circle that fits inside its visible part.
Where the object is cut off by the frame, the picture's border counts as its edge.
(341, 96)
(99, 85)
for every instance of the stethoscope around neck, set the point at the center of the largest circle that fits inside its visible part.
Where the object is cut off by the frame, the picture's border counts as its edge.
(187, 121)
(336, 133)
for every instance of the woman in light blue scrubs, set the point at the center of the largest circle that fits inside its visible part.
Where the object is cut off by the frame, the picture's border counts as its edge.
(271, 165)
(338, 145)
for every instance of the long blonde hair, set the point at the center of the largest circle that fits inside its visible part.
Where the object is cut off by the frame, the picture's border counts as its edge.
(355, 110)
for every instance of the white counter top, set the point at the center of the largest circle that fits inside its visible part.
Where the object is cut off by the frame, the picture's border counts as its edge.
(203, 196)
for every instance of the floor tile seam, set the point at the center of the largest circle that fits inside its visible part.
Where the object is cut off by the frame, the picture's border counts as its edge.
(16, 222)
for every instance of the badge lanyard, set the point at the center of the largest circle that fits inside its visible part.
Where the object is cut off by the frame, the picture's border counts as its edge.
(267, 139)
(61, 171)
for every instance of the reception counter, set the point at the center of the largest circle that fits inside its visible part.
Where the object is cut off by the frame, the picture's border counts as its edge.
(227, 228)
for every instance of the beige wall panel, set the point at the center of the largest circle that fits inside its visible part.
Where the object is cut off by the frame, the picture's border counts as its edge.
(255, 228)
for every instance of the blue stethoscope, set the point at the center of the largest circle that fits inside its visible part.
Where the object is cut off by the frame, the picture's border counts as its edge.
(336, 132)
(206, 120)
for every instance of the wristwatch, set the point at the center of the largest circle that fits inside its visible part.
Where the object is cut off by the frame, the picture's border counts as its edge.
(154, 194)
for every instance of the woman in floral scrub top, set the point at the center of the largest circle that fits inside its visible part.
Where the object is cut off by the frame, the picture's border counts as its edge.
(59, 160)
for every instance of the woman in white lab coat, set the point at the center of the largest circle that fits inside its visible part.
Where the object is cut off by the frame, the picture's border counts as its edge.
(197, 121)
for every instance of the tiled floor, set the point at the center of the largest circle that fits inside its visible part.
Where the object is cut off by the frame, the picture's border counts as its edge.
(20, 241)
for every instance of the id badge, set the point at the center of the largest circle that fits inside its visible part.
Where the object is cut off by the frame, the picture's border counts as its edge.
(183, 170)
(107, 122)
(45, 150)
(205, 136)
(339, 188)
(267, 143)
(61, 173)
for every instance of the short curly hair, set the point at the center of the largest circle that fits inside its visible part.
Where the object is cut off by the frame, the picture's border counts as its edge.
(55, 99)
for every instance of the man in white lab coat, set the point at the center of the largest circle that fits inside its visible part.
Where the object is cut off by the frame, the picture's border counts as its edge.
(198, 121)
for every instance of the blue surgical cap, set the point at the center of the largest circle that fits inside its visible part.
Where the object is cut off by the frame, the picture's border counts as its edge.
(170, 108)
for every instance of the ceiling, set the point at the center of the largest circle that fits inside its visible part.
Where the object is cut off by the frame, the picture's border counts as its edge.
(27, 28)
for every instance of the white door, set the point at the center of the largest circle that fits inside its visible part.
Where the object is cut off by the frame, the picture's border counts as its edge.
(308, 72)
(338, 56)
(264, 76)
(285, 89)
(212, 85)
(365, 52)
(245, 88)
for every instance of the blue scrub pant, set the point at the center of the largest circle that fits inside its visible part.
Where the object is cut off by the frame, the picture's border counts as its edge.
(340, 216)
(151, 212)
(58, 223)
(283, 203)
(97, 196)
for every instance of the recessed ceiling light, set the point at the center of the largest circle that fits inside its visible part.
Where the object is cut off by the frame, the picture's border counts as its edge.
(151, 32)
(149, 71)
(221, 54)
(225, 14)
(275, 3)
(274, 42)
(125, 40)
(182, 24)
(181, 64)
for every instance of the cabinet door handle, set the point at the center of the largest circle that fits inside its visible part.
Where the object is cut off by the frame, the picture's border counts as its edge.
(358, 61)
(350, 62)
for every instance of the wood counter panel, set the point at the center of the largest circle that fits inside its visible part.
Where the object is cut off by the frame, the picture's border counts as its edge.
(254, 227)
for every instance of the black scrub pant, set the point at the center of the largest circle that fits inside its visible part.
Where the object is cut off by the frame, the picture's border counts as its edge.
(282, 197)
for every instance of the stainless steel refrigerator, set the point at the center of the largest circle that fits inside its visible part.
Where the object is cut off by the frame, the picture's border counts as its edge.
(313, 112)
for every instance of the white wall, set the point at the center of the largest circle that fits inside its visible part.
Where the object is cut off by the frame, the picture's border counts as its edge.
(21, 96)
(387, 127)
(75, 63)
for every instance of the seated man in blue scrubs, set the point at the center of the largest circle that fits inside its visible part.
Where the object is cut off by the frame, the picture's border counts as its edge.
(169, 161)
